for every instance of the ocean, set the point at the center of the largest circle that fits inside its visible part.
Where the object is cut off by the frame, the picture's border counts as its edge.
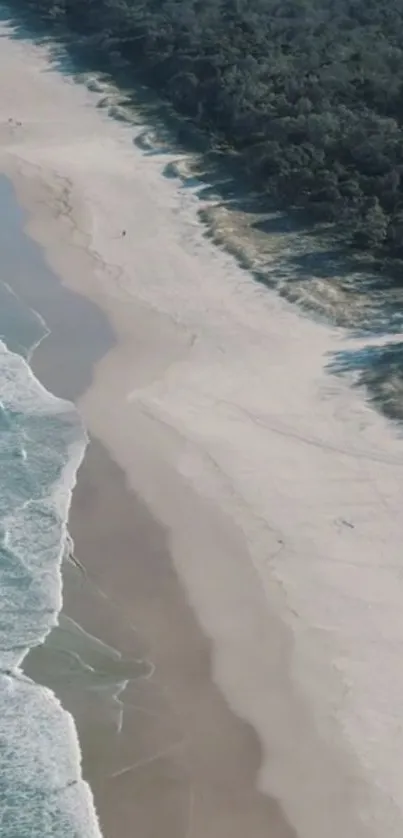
(42, 442)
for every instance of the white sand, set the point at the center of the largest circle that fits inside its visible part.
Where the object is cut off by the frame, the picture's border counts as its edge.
(282, 489)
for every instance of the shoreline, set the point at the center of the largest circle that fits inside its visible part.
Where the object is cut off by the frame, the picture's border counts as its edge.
(45, 364)
(180, 403)
(85, 605)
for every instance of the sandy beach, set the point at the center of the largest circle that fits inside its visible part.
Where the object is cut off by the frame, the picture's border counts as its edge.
(238, 513)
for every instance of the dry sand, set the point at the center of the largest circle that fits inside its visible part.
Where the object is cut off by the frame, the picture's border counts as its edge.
(278, 489)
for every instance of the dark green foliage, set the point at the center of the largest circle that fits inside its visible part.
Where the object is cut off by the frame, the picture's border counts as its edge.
(309, 93)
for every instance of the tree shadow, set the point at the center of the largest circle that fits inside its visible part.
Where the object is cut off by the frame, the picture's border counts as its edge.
(379, 369)
(360, 296)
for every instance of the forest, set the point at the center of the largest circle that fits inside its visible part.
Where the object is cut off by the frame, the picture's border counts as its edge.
(307, 93)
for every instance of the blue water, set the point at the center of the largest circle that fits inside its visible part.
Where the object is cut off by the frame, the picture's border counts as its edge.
(42, 442)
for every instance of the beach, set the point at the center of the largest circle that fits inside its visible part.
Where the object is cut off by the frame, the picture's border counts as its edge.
(236, 520)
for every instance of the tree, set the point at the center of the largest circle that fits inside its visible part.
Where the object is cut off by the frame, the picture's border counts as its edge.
(371, 231)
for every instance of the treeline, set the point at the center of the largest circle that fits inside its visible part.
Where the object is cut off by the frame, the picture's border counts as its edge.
(309, 93)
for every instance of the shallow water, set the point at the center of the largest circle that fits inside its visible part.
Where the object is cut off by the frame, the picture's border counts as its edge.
(42, 442)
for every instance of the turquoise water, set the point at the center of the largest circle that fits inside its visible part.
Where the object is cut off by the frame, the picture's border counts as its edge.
(42, 442)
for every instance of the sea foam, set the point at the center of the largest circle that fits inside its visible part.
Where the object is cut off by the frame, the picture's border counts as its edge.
(42, 442)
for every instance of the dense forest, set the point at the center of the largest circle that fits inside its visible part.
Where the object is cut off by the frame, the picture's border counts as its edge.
(308, 93)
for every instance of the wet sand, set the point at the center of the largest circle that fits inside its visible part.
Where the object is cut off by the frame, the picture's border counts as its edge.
(183, 763)
(171, 758)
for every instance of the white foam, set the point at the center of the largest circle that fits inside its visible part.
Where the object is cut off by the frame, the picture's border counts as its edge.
(41, 447)
(21, 390)
(41, 788)
(34, 501)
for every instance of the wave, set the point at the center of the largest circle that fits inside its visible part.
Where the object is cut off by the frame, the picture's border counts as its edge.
(42, 443)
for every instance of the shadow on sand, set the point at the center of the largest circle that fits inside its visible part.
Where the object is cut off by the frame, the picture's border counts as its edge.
(380, 370)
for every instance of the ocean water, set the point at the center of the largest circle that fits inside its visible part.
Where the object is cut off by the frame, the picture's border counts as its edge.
(42, 442)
